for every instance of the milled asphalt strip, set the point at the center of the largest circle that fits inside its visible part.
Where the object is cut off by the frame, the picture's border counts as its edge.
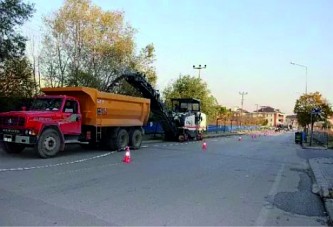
(55, 165)
(266, 208)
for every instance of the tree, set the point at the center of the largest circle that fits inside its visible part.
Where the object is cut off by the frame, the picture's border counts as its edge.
(17, 79)
(306, 103)
(86, 46)
(192, 87)
(12, 14)
(142, 63)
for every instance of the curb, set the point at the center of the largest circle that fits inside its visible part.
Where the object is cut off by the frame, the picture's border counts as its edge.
(151, 141)
(329, 208)
(319, 178)
(221, 135)
(314, 148)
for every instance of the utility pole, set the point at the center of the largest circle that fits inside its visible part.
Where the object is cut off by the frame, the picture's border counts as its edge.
(256, 114)
(242, 104)
(199, 68)
(257, 107)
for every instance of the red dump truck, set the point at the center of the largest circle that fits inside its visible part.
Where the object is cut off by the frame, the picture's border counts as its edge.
(75, 115)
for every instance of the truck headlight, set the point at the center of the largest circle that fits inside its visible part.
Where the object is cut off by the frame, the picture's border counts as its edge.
(30, 132)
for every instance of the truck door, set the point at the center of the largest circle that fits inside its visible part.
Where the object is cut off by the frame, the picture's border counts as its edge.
(71, 123)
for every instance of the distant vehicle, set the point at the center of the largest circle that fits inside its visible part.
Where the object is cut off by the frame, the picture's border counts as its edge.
(75, 115)
(282, 127)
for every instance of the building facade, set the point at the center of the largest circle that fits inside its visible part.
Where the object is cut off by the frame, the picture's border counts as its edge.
(291, 121)
(273, 116)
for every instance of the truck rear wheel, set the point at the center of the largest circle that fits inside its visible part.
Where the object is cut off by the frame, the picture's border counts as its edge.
(48, 144)
(122, 139)
(13, 148)
(135, 138)
(109, 139)
(199, 136)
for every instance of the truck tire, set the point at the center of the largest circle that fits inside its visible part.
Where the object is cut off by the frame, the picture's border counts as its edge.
(109, 139)
(13, 148)
(135, 138)
(122, 139)
(48, 144)
(199, 136)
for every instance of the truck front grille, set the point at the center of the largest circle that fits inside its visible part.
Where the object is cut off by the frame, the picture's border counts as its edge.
(12, 121)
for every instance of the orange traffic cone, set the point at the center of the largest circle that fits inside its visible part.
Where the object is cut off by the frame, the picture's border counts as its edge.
(127, 157)
(204, 146)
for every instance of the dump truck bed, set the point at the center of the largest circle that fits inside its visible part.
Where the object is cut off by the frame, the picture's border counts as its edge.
(106, 109)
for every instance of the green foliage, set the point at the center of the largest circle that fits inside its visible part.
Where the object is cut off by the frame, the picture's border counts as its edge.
(16, 78)
(192, 87)
(327, 125)
(305, 104)
(81, 78)
(14, 103)
(144, 63)
(12, 14)
(87, 46)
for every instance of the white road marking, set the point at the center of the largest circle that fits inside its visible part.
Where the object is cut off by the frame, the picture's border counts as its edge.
(261, 220)
(55, 165)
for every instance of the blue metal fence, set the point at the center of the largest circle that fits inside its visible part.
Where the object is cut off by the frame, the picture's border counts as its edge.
(234, 128)
(153, 128)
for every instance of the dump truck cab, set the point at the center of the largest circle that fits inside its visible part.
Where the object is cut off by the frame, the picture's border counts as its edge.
(64, 111)
(55, 114)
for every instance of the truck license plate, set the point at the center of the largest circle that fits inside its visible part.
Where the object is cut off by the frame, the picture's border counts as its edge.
(7, 138)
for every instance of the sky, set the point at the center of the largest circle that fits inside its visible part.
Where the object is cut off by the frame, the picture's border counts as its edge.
(247, 45)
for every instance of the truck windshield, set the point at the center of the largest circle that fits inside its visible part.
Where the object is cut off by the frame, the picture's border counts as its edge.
(52, 104)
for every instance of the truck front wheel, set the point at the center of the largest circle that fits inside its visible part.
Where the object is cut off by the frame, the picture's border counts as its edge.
(135, 138)
(48, 144)
(12, 148)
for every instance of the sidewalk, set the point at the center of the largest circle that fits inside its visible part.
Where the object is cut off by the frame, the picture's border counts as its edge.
(314, 146)
(322, 169)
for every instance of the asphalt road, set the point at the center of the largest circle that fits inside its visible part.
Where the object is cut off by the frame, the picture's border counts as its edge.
(263, 181)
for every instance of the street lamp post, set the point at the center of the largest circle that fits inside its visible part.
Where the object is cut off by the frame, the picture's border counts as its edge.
(306, 75)
(242, 102)
(199, 68)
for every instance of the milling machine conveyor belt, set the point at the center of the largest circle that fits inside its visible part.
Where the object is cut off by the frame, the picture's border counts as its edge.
(140, 83)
